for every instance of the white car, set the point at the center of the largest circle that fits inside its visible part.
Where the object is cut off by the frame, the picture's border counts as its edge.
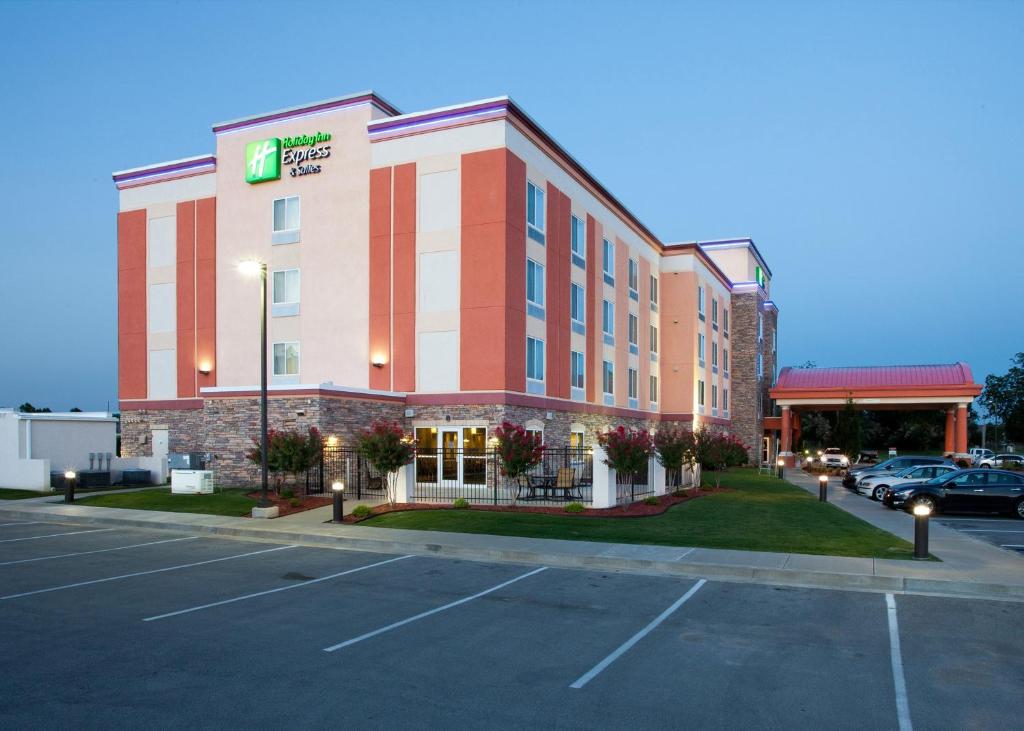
(833, 457)
(875, 486)
(979, 453)
(1002, 460)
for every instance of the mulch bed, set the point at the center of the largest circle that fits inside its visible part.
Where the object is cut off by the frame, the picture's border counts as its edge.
(284, 505)
(633, 510)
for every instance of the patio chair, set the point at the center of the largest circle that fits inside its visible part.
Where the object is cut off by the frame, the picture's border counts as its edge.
(567, 482)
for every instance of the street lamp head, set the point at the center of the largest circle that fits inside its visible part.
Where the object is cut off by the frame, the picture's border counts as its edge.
(338, 486)
(251, 267)
(70, 475)
(922, 510)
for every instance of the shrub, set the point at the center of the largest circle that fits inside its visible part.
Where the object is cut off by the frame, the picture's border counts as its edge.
(385, 446)
(574, 508)
(518, 452)
(295, 502)
(361, 511)
(674, 447)
(288, 452)
(651, 500)
(287, 494)
(460, 503)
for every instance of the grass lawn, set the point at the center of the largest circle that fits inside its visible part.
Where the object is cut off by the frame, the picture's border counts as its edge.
(228, 502)
(760, 514)
(8, 493)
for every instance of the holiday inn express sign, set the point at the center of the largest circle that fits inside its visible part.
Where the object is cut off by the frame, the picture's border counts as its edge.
(264, 158)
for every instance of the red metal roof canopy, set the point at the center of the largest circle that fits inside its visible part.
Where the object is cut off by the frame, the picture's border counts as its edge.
(876, 377)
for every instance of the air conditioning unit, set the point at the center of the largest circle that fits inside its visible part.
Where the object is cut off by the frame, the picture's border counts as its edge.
(191, 482)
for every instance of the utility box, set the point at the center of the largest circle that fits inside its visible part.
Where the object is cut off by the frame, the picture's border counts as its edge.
(191, 482)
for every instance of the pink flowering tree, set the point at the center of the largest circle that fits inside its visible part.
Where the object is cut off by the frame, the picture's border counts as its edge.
(387, 449)
(627, 451)
(519, 451)
(675, 447)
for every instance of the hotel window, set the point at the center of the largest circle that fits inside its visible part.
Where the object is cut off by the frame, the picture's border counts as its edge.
(608, 261)
(285, 297)
(608, 321)
(714, 354)
(654, 389)
(714, 312)
(700, 393)
(714, 396)
(576, 369)
(536, 434)
(535, 288)
(579, 242)
(654, 291)
(633, 387)
(535, 208)
(760, 327)
(760, 366)
(654, 339)
(725, 400)
(725, 359)
(634, 279)
(286, 359)
(576, 439)
(577, 308)
(287, 220)
(700, 348)
(634, 333)
(700, 302)
(608, 378)
(725, 321)
(534, 359)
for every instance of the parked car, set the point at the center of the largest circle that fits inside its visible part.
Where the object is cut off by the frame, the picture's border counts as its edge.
(874, 486)
(1002, 460)
(979, 453)
(972, 490)
(834, 457)
(888, 467)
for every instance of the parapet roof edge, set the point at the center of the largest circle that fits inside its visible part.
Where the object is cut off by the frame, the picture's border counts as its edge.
(339, 101)
(167, 166)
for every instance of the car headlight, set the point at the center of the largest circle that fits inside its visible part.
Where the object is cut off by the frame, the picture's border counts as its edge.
(902, 493)
(844, 461)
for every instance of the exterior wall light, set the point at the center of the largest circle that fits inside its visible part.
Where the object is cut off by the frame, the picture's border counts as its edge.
(332, 441)
(251, 267)
(205, 367)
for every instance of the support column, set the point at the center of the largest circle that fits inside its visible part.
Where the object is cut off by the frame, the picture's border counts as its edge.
(796, 429)
(604, 490)
(961, 428)
(950, 443)
(786, 438)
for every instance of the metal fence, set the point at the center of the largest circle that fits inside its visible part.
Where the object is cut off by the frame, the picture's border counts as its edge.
(344, 464)
(627, 492)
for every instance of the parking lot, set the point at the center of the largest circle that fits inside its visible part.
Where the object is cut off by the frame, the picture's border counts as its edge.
(115, 627)
(1006, 533)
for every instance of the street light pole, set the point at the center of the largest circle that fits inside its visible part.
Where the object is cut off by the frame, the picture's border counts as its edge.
(264, 498)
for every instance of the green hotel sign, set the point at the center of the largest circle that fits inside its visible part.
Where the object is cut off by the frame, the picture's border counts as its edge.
(759, 277)
(264, 159)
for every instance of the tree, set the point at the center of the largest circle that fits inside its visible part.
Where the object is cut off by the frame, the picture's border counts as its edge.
(718, 452)
(673, 448)
(519, 451)
(1003, 398)
(27, 408)
(385, 446)
(75, 410)
(848, 426)
(627, 452)
(288, 453)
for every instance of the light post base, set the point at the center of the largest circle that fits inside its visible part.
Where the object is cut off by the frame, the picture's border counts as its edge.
(271, 512)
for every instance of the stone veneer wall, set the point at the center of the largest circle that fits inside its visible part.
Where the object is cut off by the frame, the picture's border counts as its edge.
(746, 389)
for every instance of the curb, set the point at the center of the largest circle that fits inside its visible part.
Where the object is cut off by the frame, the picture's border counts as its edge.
(719, 572)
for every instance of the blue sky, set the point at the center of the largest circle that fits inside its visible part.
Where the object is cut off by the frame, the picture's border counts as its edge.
(873, 151)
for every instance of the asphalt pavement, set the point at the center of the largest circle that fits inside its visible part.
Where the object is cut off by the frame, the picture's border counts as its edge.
(1006, 533)
(129, 627)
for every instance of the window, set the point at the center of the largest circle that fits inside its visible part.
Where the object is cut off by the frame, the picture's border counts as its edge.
(287, 220)
(700, 301)
(725, 321)
(700, 393)
(576, 439)
(579, 241)
(700, 348)
(654, 339)
(608, 318)
(725, 359)
(714, 354)
(633, 387)
(634, 331)
(534, 359)
(286, 287)
(725, 399)
(535, 206)
(714, 396)
(760, 366)
(536, 434)
(654, 389)
(286, 359)
(760, 327)
(535, 287)
(608, 261)
(576, 369)
(608, 378)
(654, 290)
(577, 305)
(634, 276)
(714, 311)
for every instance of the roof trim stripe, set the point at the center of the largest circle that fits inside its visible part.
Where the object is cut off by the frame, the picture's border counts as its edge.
(349, 100)
(171, 166)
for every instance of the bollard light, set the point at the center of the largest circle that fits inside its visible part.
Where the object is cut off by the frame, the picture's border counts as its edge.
(823, 488)
(69, 486)
(339, 500)
(780, 463)
(921, 514)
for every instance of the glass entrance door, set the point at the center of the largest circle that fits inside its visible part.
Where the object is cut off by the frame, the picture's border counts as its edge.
(450, 462)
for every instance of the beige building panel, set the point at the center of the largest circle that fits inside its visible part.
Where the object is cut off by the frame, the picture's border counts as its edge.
(459, 140)
(168, 193)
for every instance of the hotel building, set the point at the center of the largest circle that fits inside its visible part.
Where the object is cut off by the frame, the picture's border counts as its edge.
(446, 269)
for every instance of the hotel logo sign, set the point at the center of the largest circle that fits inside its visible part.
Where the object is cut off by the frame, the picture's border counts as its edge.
(265, 159)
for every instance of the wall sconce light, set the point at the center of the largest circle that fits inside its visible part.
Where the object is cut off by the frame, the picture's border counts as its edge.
(205, 367)
(332, 441)
(377, 363)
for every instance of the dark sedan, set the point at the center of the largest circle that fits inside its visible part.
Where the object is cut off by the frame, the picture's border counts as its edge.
(971, 491)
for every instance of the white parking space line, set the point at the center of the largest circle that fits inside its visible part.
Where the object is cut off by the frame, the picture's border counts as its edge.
(987, 530)
(624, 647)
(98, 550)
(142, 573)
(684, 554)
(27, 522)
(423, 615)
(54, 535)
(273, 591)
(898, 680)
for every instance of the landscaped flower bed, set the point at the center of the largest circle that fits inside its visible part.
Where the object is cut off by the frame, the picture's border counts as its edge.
(639, 509)
(284, 504)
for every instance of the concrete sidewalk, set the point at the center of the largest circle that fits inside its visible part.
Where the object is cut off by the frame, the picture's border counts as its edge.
(969, 568)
